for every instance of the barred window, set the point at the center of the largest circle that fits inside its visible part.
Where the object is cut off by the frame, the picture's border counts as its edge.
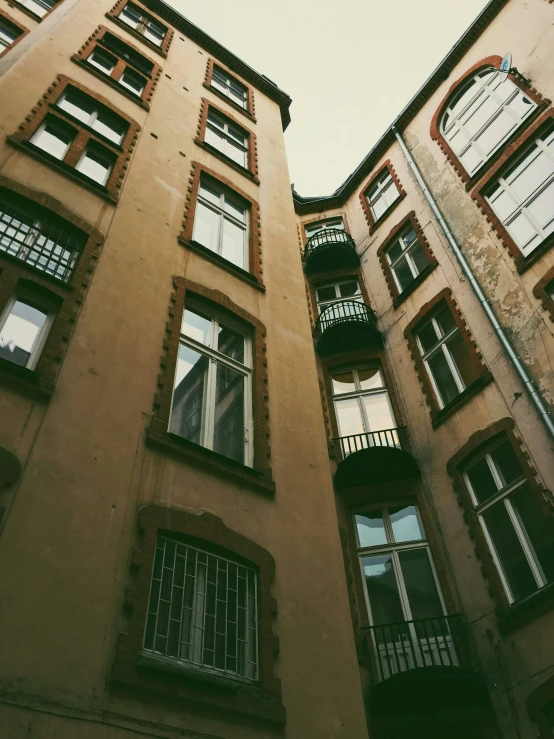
(203, 611)
(35, 236)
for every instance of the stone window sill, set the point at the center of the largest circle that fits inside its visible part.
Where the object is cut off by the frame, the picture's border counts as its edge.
(216, 153)
(157, 662)
(521, 613)
(242, 274)
(422, 276)
(439, 417)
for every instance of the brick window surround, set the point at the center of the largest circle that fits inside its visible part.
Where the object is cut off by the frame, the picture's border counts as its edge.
(249, 111)
(436, 135)
(482, 374)
(399, 297)
(371, 222)
(30, 13)
(113, 15)
(543, 291)
(259, 475)
(96, 40)
(510, 155)
(514, 615)
(254, 276)
(17, 27)
(187, 686)
(15, 274)
(252, 170)
(540, 698)
(46, 106)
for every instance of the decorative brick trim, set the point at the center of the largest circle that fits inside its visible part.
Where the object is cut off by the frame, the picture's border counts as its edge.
(255, 273)
(490, 61)
(250, 111)
(540, 291)
(509, 156)
(252, 170)
(476, 445)
(47, 106)
(541, 696)
(113, 79)
(262, 700)
(30, 13)
(17, 26)
(258, 476)
(371, 222)
(399, 297)
(482, 374)
(13, 273)
(114, 13)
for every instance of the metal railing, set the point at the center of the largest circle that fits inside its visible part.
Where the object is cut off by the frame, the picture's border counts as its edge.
(344, 311)
(326, 237)
(427, 642)
(396, 438)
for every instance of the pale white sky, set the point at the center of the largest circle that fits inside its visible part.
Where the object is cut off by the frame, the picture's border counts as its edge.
(349, 66)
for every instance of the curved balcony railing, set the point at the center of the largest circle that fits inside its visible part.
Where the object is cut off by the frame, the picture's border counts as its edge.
(345, 326)
(330, 248)
(396, 438)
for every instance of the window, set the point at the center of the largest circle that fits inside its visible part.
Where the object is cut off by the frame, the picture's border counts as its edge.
(313, 228)
(8, 34)
(212, 388)
(363, 408)
(221, 223)
(54, 137)
(230, 87)
(482, 115)
(144, 24)
(38, 7)
(407, 258)
(520, 538)
(523, 197)
(203, 611)
(227, 138)
(24, 326)
(103, 60)
(337, 292)
(86, 110)
(382, 195)
(133, 82)
(445, 355)
(96, 163)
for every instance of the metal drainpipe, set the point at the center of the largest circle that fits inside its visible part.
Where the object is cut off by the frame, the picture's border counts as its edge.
(520, 368)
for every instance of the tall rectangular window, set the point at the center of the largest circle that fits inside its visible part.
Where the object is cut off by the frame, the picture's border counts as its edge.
(24, 326)
(382, 195)
(407, 258)
(144, 24)
(212, 390)
(227, 137)
(230, 87)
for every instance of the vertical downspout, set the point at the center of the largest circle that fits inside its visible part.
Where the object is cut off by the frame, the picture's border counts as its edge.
(528, 384)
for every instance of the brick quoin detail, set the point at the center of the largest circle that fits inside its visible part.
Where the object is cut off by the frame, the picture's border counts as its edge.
(69, 297)
(17, 26)
(30, 13)
(260, 475)
(399, 297)
(252, 170)
(47, 106)
(113, 15)
(255, 274)
(113, 79)
(540, 292)
(490, 61)
(481, 372)
(510, 155)
(262, 700)
(250, 111)
(371, 222)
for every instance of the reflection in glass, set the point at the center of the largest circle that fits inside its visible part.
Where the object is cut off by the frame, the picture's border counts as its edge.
(482, 481)
(343, 383)
(538, 529)
(371, 528)
(229, 413)
(187, 413)
(378, 412)
(420, 585)
(382, 589)
(233, 243)
(405, 525)
(20, 332)
(206, 227)
(197, 326)
(230, 343)
(349, 417)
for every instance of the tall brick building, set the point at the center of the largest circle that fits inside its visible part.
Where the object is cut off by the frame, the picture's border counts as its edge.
(271, 465)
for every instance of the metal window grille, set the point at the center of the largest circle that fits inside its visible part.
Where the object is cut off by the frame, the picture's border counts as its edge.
(203, 611)
(38, 238)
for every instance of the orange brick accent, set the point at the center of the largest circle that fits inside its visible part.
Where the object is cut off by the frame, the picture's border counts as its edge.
(250, 111)
(540, 292)
(113, 15)
(371, 222)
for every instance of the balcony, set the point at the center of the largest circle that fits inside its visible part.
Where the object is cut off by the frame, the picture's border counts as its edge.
(345, 326)
(330, 249)
(377, 456)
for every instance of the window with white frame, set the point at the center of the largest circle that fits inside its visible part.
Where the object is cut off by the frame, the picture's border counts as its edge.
(133, 81)
(24, 327)
(344, 296)
(103, 60)
(314, 228)
(230, 87)
(54, 137)
(221, 223)
(228, 138)
(523, 197)
(382, 195)
(520, 537)
(85, 109)
(38, 7)
(8, 34)
(96, 163)
(482, 116)
(143, 23)
(212, 395)
(106, 62)
(446, 356)
(203, 611)
(407, 258)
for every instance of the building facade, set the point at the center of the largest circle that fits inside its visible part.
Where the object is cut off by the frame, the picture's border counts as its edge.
(271, 465)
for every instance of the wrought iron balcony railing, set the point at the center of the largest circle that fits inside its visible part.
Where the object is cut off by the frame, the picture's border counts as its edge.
(330, 248)
(344, 311)
(396, 438)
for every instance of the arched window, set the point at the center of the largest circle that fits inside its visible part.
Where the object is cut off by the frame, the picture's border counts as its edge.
(482, 115)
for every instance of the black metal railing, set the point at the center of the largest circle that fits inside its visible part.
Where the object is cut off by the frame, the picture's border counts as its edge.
(428, 642)
(344, 311)
(396, 438)
(326, 237)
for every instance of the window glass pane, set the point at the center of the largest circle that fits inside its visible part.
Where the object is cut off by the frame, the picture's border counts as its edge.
(230, 343)
(482, 481)
(428, 336)
(480, 111)
(408, 237)
(503, 204)
(213, 138)
(229, 413)
(349, 417)
(539, 530)
(378, 412)
(395, 251)
(343, 383)
(197, 325)
(188, 411)
(463, 98)
(446, 321)
(542, 206)
(537, 171)
(443, 377)
(522, 230)
(8, 33)
(104, 61)
(54, 140)
(329, 292)
(347, 289)
(471, 159)
(215, 120)
(233, 243)
(419, 257)
(210, 194)
(95, 165)
(20, 332)
(506, 463)
(132, 81)
(371, 528)
(76, 107)
(390, 194)
(382, 589)
(403, 273)
(370, 378)
(378, 207)
(235, 209)
(405, 525)
(495, 132)
(154, 33)
(206, 227)
(509, 551)
(462, 358)
(420, 584)
(110, 127)
(236, 153)
(130, 16)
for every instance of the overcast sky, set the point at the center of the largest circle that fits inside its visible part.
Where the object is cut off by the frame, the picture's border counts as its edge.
(350, 67)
